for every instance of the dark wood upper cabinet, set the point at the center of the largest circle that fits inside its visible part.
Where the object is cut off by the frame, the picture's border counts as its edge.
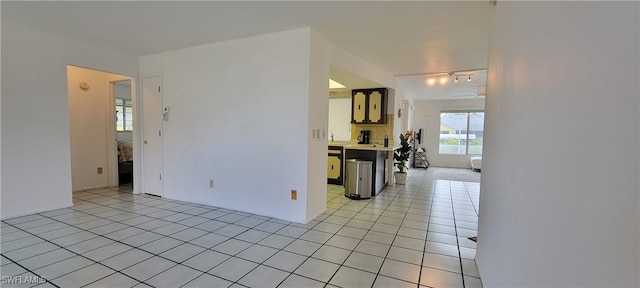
(369, 106)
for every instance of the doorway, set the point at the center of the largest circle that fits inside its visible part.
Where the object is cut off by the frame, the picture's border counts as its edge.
(92, 127)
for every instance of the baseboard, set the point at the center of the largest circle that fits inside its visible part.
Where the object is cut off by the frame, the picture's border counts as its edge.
(90, 188)
(35, 212)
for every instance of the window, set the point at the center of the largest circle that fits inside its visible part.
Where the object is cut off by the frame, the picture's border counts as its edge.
(461, 132)
(124, 115)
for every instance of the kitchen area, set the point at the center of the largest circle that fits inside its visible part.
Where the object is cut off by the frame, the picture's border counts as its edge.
(361, 142)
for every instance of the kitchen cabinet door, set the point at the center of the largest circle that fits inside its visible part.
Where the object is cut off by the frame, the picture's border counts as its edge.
(369, 106)
(358, 108)
(375, 107)
(333, 167)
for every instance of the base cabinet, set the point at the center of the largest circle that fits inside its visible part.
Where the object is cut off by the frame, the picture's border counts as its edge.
(334, 166)
(378, 171)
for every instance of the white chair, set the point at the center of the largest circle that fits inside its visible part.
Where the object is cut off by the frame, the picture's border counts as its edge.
(476, 163)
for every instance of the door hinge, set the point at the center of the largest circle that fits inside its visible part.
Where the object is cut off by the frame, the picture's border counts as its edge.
(160, 133)
(158, 88)
(160, 176)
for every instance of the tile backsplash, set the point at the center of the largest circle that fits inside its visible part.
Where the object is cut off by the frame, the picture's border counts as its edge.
(378, 131)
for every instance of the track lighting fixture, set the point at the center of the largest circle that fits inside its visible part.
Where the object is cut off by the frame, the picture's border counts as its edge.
(443, 78)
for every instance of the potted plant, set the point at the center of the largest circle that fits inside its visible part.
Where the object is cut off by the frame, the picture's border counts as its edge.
(401, 156)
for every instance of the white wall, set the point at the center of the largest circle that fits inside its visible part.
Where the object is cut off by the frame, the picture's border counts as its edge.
(407, 115)
(397, 95)
(340, 118)
(90, 127)
(560, 193)
(426, 115)
(240, 116)
(36, 161)
(318, 111)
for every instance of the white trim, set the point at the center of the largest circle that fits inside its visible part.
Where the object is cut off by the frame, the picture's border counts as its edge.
(137, 127)
(112, 149)
(112, 133)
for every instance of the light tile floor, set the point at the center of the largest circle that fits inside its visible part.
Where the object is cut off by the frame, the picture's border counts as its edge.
(412, 235)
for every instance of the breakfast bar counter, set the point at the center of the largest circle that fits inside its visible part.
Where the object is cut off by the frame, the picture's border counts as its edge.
(382, 162)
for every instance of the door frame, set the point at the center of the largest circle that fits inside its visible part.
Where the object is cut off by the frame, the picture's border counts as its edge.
(112, 133)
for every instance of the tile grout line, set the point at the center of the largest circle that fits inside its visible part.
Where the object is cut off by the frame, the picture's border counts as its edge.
(398, 201)
(61, 247)
(290, 224)
(457, 239)
(207, 249)
(426, 237)
(115, 241)
(391, 245)
(360, 241)
(188, 242)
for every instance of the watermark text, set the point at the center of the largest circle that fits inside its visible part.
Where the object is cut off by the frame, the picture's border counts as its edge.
(28, 279)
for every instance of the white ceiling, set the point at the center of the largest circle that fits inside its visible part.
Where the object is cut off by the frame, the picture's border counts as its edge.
(350, 81)
(413, 37)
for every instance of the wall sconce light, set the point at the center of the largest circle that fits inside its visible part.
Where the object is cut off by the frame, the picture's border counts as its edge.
(84, 86)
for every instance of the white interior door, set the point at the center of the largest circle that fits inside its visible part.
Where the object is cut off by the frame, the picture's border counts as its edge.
(152, 136)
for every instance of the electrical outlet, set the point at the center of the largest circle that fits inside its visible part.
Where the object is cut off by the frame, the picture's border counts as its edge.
(99, 170)
(294, 194)
(211, 183)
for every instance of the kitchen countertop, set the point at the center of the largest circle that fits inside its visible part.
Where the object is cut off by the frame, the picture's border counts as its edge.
(373, 147)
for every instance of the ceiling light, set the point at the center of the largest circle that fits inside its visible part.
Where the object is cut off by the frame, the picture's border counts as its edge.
(456, 80)
(335, 85)
(469, 79)
(431, 81)
(443, 80)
